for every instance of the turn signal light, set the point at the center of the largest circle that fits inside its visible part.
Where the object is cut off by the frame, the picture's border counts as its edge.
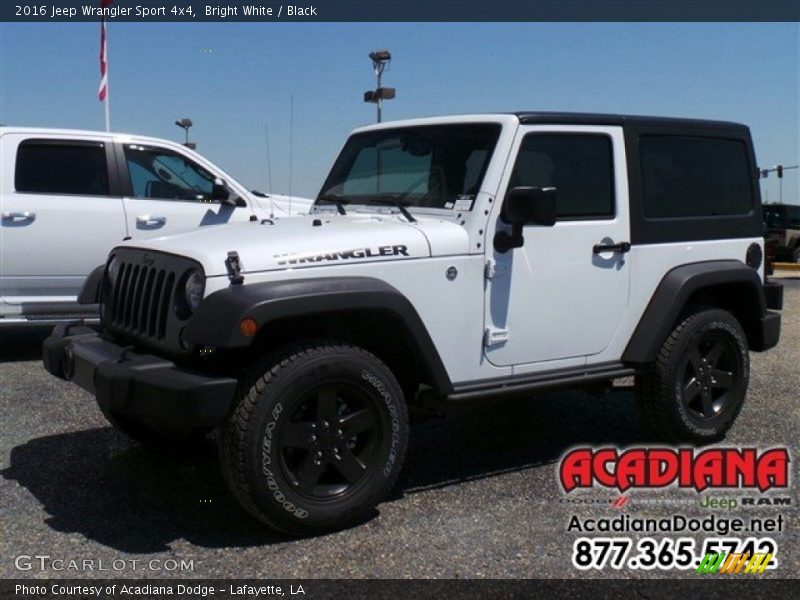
(248, 327)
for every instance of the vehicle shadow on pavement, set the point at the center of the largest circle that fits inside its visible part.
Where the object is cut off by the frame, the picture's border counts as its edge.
(98, 484)
(22, 343)
(480, 441)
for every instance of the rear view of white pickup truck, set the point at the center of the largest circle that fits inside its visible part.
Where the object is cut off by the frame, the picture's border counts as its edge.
(68, 197)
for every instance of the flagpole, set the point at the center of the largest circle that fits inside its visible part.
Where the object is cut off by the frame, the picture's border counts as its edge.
(107, 100)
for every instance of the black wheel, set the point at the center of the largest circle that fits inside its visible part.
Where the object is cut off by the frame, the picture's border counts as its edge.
(317, 438)
(696, 387)
(796, 255)
(156, 436)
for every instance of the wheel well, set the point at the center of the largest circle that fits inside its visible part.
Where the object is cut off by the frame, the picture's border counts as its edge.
(739, 299)
(380, 332)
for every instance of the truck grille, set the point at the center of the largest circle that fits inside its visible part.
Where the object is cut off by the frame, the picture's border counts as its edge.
(139, 305)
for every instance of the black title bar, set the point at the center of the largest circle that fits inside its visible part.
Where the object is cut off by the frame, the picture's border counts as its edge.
(403, 10)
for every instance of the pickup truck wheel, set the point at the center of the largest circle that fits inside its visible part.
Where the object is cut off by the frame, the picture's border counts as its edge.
(155, 436)
(695, 389)
(317, 438)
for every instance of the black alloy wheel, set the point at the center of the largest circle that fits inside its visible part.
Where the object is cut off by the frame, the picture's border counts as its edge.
(330, 441)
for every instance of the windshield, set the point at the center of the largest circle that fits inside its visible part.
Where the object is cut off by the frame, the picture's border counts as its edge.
(439, 166)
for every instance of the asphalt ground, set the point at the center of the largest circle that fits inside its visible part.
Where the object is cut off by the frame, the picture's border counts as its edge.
(479, 496)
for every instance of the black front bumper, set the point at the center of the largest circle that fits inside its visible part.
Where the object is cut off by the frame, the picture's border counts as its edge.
(136, 385)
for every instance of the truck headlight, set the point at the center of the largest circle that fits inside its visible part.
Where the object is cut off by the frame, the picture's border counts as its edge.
(193, 292)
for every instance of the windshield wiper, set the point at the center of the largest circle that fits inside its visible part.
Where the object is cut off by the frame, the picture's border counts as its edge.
(395, 203)
(337, 200)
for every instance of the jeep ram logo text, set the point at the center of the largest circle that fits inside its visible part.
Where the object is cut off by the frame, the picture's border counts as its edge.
(294, 259)
(660, 467)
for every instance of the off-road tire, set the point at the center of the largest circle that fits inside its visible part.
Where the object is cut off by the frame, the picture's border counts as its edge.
(661, 387)
(283, 400)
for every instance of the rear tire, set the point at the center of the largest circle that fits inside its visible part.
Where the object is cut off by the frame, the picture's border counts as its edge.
(317, 437)
(695, 389)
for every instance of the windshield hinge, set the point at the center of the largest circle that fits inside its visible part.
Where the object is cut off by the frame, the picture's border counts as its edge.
(234, 265)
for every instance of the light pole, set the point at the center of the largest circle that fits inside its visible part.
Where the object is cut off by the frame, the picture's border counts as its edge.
(380, 58)
(185, 124)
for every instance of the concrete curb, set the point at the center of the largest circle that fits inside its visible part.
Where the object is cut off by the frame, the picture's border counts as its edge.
(787, 266)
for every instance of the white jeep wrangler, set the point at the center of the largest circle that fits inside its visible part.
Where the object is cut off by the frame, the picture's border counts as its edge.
(445, 259)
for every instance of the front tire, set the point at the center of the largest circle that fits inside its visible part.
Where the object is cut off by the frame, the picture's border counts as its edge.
(317, 438)
(695, 389)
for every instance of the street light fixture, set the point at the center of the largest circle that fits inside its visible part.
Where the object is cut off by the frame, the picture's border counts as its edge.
(379, 58)
(185, 124)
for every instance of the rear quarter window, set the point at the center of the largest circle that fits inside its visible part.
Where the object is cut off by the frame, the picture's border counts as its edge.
(685, 176)
(49, 167)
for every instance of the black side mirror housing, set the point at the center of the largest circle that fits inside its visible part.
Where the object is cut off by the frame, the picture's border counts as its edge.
(220, 192)
(525, 206)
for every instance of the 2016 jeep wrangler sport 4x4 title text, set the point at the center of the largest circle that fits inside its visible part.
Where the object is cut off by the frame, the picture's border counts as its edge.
(449, 259)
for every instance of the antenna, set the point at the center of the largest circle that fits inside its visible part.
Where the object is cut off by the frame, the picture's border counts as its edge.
(291, 146)
(269, 175)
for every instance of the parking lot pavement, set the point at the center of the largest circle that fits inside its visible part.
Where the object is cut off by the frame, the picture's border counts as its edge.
(478, 498)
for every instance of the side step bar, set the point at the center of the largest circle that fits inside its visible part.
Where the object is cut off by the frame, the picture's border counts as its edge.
(548, 380)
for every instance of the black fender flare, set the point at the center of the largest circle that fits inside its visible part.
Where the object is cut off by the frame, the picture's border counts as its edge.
(216, 321)
(675, 290)
(90, 292)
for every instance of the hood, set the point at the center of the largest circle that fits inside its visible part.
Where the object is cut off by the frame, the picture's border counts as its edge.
(313, 241)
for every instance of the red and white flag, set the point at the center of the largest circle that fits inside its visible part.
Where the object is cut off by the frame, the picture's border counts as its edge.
(103, 91)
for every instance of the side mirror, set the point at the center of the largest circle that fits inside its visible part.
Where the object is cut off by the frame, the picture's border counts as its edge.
(525, 206)
(220, 192)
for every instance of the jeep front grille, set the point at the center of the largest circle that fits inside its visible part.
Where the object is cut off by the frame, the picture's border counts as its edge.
(139, 304)
(141, 301)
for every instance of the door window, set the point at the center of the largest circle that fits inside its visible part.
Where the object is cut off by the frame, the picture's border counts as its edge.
(164, 175)
(55, 167)
(579, 166)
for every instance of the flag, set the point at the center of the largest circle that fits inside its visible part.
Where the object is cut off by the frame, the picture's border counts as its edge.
(103, 91)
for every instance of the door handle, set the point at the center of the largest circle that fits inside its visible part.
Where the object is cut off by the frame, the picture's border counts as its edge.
(622, 248)
(150, 221)
(19, 216)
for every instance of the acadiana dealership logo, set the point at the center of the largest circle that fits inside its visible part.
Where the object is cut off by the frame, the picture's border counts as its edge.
(740, 468)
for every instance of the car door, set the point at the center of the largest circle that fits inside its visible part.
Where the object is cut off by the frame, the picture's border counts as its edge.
(170, 192)
(561, 297)
(59, 217)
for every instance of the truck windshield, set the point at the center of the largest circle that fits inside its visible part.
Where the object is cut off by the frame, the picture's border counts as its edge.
(428, 166)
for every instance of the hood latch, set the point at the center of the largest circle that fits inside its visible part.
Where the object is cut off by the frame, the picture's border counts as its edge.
(234, 265)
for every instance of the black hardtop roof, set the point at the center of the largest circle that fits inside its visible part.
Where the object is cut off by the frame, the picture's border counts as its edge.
(569, 118)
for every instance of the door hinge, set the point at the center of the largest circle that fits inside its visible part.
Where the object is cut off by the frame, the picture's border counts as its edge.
(494, 337)
(492, 268)
(489, 269)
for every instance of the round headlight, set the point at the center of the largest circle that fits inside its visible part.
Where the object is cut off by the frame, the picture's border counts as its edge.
(193, 293)
(112, 272)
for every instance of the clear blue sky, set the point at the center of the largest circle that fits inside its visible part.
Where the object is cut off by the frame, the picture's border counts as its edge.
(232, 78)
